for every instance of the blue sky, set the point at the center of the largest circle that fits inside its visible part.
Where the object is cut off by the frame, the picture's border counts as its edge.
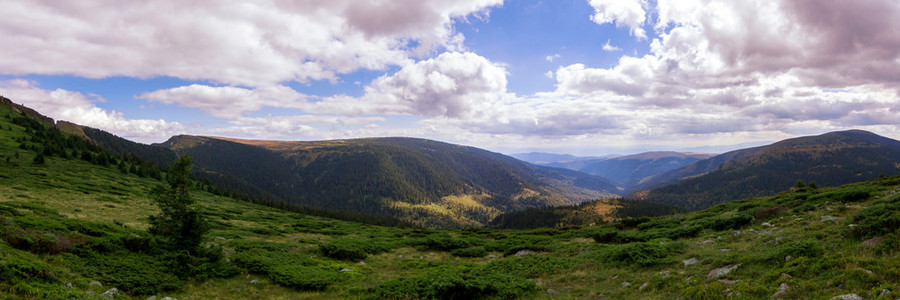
(587, 77)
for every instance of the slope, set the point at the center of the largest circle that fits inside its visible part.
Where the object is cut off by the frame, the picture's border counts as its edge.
(429, 183)
(830, 159)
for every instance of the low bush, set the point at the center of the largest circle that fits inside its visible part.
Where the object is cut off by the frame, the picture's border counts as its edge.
(353, 249)
(530, 266)
(644, 254)
(455, 282)
(302, 277)
(734, 222)
(469, 252)
(846, 194)
(878, 219)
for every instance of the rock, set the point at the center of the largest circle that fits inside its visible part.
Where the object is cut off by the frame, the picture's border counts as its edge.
(779, 239)
(110, 293)
(95, 283)
(706, 242)
(552, 292)
(626, 284)
(400, 256)
(829, 219)
(361, 263)
(871, 243)
(728, 282)
(492, 256)
(168, 298)
(346, 270)
(736, 233)
(851, 225)
(151, 298)
(848, 297)
(785, 275)
(784, 287)
(68, 285)
(665, 274)
(724, 250)
(523, 253)
(643, 286)
(254, 281)
(767, 224)
(690, 261)
(884, 292)
(864, 270)
(779, 294)
(788, 258)
(719, 272)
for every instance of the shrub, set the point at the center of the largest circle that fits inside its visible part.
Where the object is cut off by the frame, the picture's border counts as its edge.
(644, 254)
(530, 266)
(878, 219)
(444, 242)
(302, 277)
(733, 222)
(469, 252)
(352, 249)
(455, 282)
(845, 194)
(766, 213)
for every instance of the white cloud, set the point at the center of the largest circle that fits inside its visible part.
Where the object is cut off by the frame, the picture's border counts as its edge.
(80, 109)
(227, 102)
(550, 58)
(624, 13)
(610, 48)
(248, 43)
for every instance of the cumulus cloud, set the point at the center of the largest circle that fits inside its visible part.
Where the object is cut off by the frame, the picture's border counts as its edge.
(610, 48)
(750, 66)
(624, 13)
(248, 43)
(80, 109)
(225, 101)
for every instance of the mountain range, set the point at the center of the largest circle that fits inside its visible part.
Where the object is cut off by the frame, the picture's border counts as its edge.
(436, 184)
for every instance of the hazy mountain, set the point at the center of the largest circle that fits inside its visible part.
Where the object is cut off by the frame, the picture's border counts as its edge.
(428, 182)
(630, 170)
(542, 158)
(830, 159)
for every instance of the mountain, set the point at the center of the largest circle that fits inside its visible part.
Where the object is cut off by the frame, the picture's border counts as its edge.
(427, 182)
(539, 158)
(628, 171)
(830, 159)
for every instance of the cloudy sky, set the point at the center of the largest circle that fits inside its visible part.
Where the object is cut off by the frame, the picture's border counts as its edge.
(567, 76)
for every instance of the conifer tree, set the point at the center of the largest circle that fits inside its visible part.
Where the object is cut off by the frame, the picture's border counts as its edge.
(179, 223)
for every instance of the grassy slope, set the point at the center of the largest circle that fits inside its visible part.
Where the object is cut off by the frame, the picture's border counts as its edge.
(286, 249)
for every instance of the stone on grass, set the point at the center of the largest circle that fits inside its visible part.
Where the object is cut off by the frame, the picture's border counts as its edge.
(644, 286)
(151, 298)
(110, 293)
(788, 258)
(361, 263)
(829, 219)
(848, 297)
(779, 294)
(552, 292)
(254, 281)
(95, 283)
(523, 253)
(719, 272)
(767, 224)
(626, 284)
(346, 270)
(871, 243)
(492, 256)
(168, 298)
(706, 242)
(690, 261)
(665, 274)
(785, 275)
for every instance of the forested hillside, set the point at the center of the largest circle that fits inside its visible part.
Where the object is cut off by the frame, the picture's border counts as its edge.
(826, 160)
(429, 183)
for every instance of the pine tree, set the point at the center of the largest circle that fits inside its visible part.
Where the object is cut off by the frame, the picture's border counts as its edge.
(179, 224)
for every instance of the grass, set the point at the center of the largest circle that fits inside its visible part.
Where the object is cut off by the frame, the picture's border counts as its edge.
(69, 221)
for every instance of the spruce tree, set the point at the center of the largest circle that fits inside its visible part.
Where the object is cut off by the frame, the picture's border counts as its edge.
(179, 224)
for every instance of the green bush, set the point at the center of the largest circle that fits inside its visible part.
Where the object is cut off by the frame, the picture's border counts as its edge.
(455, 282)
(644, 254)
(444, 242)
(879, 219)
(302, 277)
(734, 222)
(845, 194)
(469, 252)
(529, 266)
(353, 249)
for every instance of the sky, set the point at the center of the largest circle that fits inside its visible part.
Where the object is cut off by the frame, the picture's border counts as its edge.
(584, 77)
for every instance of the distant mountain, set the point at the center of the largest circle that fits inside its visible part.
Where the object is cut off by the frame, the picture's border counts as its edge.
(427, 182)
(116, 145)
(830, 159)
(547, 158)
(630, 170)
